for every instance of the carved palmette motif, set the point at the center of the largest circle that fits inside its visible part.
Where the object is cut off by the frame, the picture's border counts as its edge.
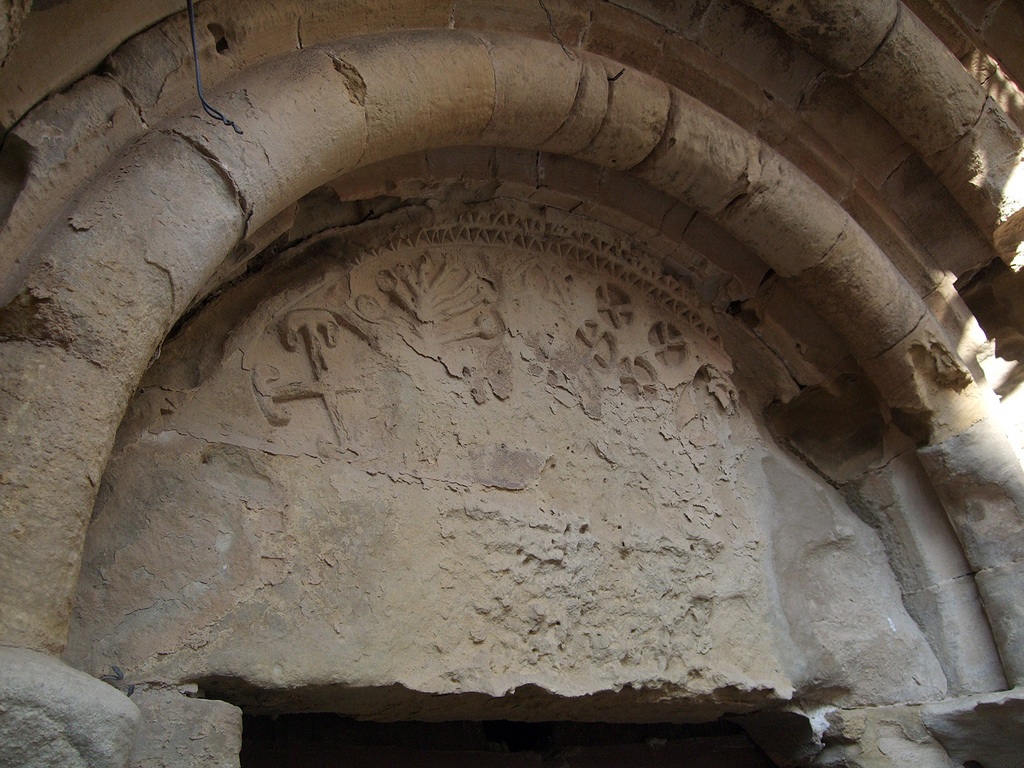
(440, 301)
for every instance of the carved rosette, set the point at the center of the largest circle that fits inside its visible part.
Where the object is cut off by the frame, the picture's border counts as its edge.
(584, 315)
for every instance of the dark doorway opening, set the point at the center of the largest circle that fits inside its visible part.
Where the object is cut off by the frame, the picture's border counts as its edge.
(327, 740)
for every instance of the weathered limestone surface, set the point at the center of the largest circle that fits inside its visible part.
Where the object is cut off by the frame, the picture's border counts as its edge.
(495, 460)
(980, 730)
(880, 737)
(823, 557)
(53, 716)
(177, 731)
(84, 326)
(425, 464)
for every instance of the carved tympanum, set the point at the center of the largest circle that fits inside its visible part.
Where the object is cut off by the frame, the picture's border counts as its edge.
(586, 317)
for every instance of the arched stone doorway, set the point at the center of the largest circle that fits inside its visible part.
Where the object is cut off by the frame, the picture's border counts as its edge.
(475, 457)
(839, 331)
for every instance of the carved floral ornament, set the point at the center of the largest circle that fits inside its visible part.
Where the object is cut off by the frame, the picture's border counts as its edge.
(484, 296)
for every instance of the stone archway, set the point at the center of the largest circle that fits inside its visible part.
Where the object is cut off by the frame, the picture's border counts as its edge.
(104, 288)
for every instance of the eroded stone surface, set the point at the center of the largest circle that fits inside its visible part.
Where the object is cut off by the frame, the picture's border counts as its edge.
(177, 731)
(53, 716)
(494, 453)
(980, 730)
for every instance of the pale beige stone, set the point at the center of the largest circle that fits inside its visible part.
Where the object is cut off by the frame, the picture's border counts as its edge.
(87, 326)
(791, 222)
(703, 159)
(1000, 588)
(920, 87)
(97, 29)
(535, 89)
(615, 194)
(50, 153)
(821, 556)
(929, 391)
(881, 737)
(980, 484)
(410, 480)
(177, 731)
(53, 716)
(883, 311)
(637, 116)
(764, 54)
(588, 110)
(985, 171)
(980, 730)
(894, 238)
(420, 90)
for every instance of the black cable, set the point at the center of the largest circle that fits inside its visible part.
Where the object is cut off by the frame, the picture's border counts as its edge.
(213, 112)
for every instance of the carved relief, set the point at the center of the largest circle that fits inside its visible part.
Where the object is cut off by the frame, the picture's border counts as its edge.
(308, 332)
(436, 299)
(626, 261)
(615, 345)
(592, 315)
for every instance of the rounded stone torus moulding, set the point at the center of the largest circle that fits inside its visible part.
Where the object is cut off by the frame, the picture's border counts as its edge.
(488, 452)
(636, 387)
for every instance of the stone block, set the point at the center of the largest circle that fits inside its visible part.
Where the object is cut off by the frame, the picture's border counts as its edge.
(861, 135)
(628, 194)
(695, 71)
(181, 732)
(954, 621)
(859, 291)
(638, 112)
(48, 155)
(570, 176)
(959, 323)
(979, 480)
(842, 34)
(902, 246)
(985, 730)
(556, 20)
(703, 160)
(588, 109)
(764, 54)
(985, 171)
(786, 217)
(449, 163)
(783, 130)
(951, 240)
(899, 502)
(517, 170)
(1002, 38)
(622, 35)
(919, 86)
(930, 392)
(880, 737)
(847, 619)
(1001, 589)
(535, 89)
(725, 251)
(53, 716)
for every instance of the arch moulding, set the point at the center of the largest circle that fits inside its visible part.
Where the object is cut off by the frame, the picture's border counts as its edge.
(111, 276)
